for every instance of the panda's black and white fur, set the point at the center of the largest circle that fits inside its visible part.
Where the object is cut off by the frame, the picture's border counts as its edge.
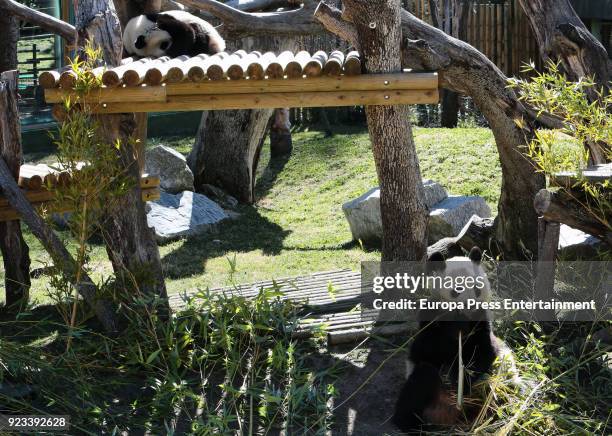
(171, 33)
(426, 398)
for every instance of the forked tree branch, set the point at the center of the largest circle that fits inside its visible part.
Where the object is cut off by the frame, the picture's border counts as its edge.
(47, 22)
(239, 24)
(258, 5)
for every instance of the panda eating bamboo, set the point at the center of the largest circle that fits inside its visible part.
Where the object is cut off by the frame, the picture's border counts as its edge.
(451, 352)
(171, 33)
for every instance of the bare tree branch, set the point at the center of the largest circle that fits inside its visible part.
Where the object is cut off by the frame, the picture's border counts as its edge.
(47, 22)
(239, 24)
(257, 5)
(333, 21)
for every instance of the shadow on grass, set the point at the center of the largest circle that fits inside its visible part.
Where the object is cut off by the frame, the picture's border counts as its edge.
(249, 232)
(266, 180)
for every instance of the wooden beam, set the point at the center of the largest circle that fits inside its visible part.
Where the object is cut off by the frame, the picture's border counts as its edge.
(369, 82)
(7, 213)
(111, 95)
(273, 100)
(364, 82)
(146, 182)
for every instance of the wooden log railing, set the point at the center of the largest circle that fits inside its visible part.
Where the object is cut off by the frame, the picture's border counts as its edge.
(37, 182)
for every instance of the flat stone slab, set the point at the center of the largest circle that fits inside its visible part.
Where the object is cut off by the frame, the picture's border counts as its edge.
(174, 216)
(363, 213)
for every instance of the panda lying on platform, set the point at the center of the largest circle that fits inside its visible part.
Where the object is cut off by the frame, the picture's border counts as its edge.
(171, 33)
(427, 397)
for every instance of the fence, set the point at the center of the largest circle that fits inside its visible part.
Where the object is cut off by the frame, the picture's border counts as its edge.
(36, 51)
(498, 28)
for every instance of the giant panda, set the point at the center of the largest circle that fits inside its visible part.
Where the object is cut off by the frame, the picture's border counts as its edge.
(171, 33)
(428, 397)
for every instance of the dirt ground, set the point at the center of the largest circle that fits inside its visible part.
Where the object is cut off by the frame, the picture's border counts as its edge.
(368, 387)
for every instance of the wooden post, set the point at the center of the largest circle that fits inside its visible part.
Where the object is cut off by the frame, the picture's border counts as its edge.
(403, 210)
(548, 242)
(15, 252)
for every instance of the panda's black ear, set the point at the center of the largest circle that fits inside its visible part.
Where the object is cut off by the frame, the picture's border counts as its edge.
(140, 42)
(475, 255)
(435, 263)
(436, 256)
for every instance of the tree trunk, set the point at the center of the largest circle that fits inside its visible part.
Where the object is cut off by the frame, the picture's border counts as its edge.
(464, 69)
(562, 37)
(130, 242)
(403, 210)
(228, 143)
(281, 143)
(227, 150)
(15, 252)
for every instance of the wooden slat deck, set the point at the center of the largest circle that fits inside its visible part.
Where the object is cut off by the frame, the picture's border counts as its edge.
(240, 80)
(336, 312)
(594, 174)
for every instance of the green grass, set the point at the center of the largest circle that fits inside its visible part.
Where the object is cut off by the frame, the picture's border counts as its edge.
(297, 225)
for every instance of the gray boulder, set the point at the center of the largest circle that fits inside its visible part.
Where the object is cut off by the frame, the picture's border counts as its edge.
(575, 244)
(448, 215)
(171, 167)
(184, 214)
(363, 213)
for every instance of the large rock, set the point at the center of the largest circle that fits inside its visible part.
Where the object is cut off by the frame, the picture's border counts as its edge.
(448, 215)
(185, 214)
(171, 167)
(363, 213)
(575, 244)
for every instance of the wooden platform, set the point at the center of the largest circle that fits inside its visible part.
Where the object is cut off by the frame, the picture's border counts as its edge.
(594, 174)
(330, 301)
(242, 80)
(37, 180)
